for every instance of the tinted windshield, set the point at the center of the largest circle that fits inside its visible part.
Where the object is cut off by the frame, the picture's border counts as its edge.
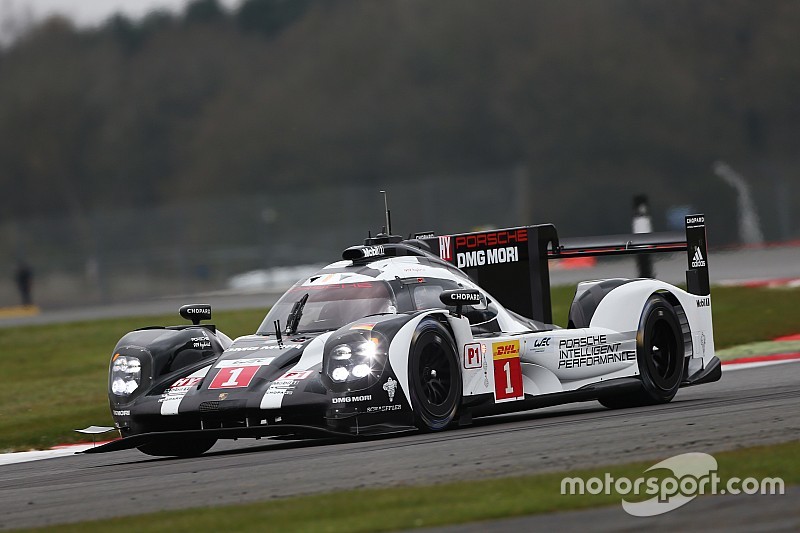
(330, 307)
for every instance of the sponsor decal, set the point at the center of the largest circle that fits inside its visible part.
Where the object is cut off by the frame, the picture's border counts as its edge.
(196, 310)
(507, 371)
(186, 382)
(469, 297)
(285, 385)
(704, 302)
(590, 351)
(694, 222)
(171, 398)
(445, 250)
(425, 235)
(201, 342)
(540, 345)
(492, 239)
(234, 377)
(509, 254)
(504, 350)
(373, 251)
(384, 408)
(473, 357)
(703, 343)
(264, 347)
(698, 260)
(223, 395)
(352, 399)
(390, 387)
(253, 361)
(485, 367)
(296, 374)
(121, 413)
(179, 389)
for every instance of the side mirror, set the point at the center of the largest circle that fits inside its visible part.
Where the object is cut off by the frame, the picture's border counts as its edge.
(460, 297)
(196, 312)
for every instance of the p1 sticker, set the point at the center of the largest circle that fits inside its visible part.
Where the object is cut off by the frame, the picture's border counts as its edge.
(507, 371)
(233, 377)
(473, 358)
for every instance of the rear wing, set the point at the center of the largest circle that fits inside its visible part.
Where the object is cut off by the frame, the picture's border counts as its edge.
(512, 264)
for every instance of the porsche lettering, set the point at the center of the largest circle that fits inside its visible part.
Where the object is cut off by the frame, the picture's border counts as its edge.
(488, 240)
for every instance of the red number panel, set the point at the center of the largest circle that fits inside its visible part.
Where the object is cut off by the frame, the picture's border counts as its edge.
(234, 377)
(507, 371)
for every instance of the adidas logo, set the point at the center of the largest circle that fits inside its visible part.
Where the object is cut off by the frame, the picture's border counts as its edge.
(697, 260)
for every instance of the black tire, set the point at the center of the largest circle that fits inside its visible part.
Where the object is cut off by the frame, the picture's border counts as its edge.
(178, 448)
(434, 376)
(660, 354)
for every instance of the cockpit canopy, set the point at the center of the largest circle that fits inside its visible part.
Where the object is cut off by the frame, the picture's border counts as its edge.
(317, 307)
(330, 306)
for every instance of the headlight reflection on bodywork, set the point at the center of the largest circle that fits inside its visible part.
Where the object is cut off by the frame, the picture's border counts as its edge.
(126, 374)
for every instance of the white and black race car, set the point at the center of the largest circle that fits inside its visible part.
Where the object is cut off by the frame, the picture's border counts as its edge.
(420, 334)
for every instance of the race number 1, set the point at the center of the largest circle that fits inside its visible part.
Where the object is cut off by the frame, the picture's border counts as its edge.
(233, 377)
(507, 371)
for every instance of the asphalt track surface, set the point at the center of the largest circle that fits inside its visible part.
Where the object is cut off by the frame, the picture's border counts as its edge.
(746, 408)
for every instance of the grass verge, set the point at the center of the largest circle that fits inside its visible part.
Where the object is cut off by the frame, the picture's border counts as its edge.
(451, 503)
(54, 377)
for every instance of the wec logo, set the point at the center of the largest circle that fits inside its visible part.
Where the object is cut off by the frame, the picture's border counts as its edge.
(541, 343)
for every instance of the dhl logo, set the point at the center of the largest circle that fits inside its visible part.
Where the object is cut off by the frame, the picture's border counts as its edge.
(505, 350)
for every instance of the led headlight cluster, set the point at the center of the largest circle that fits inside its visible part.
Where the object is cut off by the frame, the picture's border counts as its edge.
(126, 374)
(355, 357)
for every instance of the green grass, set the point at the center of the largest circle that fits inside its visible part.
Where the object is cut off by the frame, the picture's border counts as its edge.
(426, 506)
(54, 377)
(759, 348)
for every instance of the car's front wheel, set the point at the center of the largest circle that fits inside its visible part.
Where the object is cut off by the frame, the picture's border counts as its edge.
(434, 376)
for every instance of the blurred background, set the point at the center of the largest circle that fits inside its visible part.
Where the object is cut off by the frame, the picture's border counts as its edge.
(153, 148)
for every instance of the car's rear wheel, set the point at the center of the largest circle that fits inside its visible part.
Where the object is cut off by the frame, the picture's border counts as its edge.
(178, 448)
(434, 376)
(659, 352)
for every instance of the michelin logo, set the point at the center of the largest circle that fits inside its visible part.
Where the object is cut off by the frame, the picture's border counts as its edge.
(697, 260)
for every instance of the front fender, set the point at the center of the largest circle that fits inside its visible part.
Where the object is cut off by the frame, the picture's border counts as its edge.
(401, 343)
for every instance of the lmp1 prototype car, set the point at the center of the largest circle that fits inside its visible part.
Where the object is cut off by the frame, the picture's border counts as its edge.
(420, 334)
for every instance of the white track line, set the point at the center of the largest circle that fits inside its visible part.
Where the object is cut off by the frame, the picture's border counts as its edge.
(38, 455)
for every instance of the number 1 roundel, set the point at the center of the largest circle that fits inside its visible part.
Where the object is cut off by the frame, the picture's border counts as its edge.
(507, 371)
(233, 377)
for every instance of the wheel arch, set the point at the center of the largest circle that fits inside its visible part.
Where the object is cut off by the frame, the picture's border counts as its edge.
(399, 349)
(621, 308)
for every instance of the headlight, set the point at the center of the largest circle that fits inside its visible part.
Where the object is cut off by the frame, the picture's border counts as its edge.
(126, 374)
(341, 352)
(354, 357)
